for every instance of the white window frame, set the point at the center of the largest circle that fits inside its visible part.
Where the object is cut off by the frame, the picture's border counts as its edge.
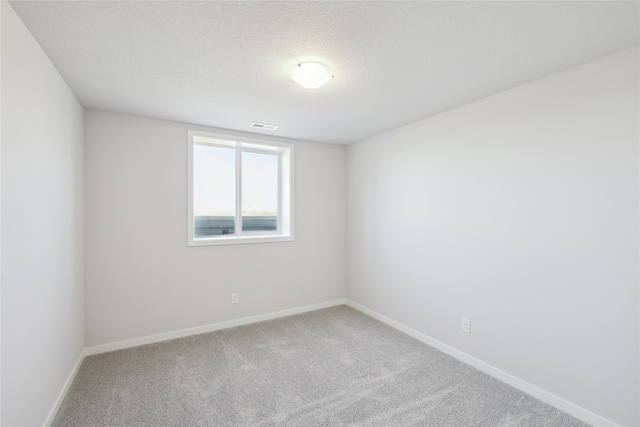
(285, 188)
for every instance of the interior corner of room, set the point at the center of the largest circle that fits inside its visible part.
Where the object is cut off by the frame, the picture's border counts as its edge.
(517, 210)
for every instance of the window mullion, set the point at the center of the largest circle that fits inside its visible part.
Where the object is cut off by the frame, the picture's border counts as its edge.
(279, 223)
(238, 218)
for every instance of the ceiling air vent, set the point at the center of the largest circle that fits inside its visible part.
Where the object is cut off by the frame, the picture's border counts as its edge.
(263, 126)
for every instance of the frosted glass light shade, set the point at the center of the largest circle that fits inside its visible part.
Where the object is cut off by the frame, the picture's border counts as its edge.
(311, 75)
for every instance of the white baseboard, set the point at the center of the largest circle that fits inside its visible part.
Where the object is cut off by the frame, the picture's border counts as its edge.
(545, 396)
(63, 392)
(151, 339)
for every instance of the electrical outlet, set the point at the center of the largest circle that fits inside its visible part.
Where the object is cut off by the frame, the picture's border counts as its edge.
(466, 325)
(234, 298)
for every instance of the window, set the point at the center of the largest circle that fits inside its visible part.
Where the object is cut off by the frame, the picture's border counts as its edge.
(240, 190)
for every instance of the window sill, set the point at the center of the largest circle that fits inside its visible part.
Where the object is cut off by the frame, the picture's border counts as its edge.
(239, 240)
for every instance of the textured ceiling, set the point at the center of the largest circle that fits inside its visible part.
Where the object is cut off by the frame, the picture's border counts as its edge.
(225, 64)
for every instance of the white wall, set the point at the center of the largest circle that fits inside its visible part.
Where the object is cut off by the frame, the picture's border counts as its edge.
(143, 279)
(42, 228)
(519, 212)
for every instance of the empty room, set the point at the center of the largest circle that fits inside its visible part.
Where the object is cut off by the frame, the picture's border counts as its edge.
(330, 213)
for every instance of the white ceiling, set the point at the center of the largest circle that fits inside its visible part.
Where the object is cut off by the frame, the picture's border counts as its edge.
(225, 64)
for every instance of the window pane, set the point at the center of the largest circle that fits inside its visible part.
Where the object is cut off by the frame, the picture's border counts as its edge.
(214, 183)
(259, 192)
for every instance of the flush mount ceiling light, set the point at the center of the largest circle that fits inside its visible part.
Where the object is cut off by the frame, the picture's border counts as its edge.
(311, 75)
